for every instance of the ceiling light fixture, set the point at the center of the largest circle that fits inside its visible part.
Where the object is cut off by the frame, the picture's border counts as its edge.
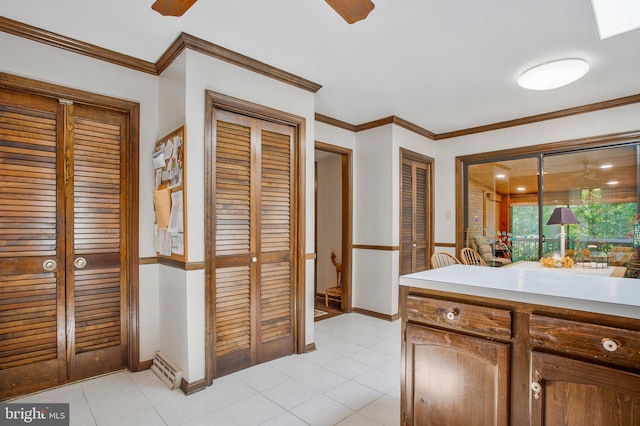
(554, 74)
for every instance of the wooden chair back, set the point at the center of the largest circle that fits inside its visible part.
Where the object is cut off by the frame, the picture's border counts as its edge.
(334, 293)
(440, 259)
(471, 257)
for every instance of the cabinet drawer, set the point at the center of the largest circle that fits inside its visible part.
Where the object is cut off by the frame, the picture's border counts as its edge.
(474, 319)
(612, 345)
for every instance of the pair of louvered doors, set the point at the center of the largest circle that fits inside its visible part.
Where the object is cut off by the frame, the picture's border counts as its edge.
(63, 300)
(252, 275)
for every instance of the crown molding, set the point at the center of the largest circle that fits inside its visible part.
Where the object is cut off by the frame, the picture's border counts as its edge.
(72, 45)
(333, 122)
(376, 123)
(398, 122)
(597, 106)
(186, 41)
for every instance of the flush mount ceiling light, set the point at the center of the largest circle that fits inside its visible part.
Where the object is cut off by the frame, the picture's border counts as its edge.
(554, 74)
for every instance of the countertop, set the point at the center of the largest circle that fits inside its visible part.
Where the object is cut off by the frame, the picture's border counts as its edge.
(591, 293)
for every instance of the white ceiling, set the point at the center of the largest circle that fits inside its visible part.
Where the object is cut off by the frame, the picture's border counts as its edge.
(442, 65)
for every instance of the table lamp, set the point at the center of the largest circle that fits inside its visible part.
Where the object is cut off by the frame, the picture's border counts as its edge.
(562, 216)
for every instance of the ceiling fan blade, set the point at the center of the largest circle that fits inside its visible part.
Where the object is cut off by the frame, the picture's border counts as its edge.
(352, 10)
(172, 7)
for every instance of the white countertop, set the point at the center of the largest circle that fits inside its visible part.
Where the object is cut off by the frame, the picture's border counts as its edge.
(591, 293)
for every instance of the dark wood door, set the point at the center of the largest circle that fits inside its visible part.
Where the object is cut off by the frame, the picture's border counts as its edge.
(61, 318)
(568, 392)
(454, 379)
(253, 234)
(415, 228)
(95, 262)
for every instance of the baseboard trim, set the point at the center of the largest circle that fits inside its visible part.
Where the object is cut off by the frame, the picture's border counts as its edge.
(378, 315)
(145, 365)
(310, 347)
(189, 388)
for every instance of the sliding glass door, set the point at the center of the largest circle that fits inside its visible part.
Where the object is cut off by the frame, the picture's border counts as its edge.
(509, 201)
(502, 208)
(600, 188)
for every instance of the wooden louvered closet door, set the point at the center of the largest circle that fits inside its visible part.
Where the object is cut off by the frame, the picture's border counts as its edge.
(59, 202)
(96, 285)
(415, 229)
(253, 289)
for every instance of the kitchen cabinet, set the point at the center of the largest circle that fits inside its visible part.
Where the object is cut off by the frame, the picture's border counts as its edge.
(569, 391)
(506, 358)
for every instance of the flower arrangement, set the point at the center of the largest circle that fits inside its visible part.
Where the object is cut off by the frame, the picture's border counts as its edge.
(556, 262)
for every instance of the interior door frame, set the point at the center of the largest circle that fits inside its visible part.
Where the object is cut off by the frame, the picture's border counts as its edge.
(347, 220)
(131, 163)
(213, 101)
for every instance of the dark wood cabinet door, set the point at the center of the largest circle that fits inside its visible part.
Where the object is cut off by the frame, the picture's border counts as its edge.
(454, 379)
(253, 238)
(569, 392)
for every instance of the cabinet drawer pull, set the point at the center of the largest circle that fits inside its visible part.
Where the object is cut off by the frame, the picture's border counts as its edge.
(610, 345)
(536, 388)
(451, 315)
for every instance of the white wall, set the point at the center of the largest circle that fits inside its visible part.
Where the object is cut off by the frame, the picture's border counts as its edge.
(329, 221)
(377, 214)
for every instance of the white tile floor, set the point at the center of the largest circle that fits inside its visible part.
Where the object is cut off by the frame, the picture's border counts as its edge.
(353, 378)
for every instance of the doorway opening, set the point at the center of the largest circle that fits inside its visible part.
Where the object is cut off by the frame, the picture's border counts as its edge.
(333, 230)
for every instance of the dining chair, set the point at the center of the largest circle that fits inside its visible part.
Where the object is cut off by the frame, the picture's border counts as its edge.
(471, 257)
(334, 293)
(441, 259)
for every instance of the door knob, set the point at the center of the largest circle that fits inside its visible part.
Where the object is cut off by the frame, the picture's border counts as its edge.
(49, 265)
(80, 262)
(254, 259)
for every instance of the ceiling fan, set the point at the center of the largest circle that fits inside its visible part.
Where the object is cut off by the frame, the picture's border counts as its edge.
(351, 10)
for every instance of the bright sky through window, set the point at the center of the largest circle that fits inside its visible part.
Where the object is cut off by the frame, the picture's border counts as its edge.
(616, 16)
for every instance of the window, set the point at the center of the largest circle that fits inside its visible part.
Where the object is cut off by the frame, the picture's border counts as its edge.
(508, 200)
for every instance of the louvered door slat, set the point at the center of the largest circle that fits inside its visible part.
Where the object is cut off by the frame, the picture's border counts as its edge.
(99, 302)
(29, 298)
(406, 259)
(232, 246)
(253, 241)
(415, 230)
(28, 176)
(276, 324)
(28, 320)
(420, 222)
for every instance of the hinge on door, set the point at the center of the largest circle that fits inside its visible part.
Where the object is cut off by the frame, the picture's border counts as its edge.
(65, 101)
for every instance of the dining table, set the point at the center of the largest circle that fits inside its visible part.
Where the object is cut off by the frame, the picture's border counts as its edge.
(607, 271)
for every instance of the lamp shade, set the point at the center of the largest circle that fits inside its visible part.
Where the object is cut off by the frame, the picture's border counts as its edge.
(562, 216)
